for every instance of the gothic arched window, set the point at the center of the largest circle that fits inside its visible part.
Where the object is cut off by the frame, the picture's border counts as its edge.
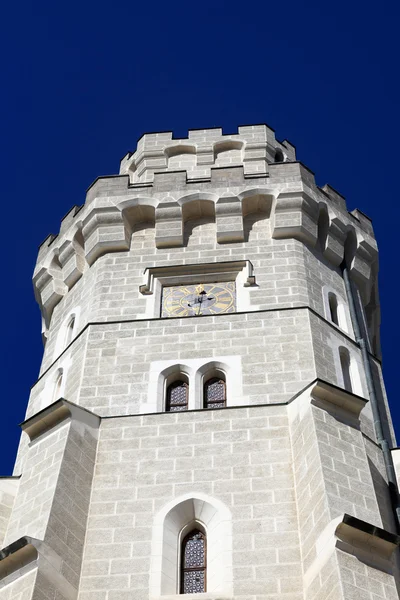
(193, 563)
(177, 396)
(345, 366)
(333, 308)
(215, 393)
(57, 385)
(70, 331)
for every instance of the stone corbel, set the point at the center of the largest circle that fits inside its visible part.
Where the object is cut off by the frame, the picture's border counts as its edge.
(72, 260)
(365, 540)
(105, 230)
(56, 413)
(334, 249)
(48, 290)
(28, 553)
(229, 220)
(296, 216)
(364, 258)
(169, 224)
(329, 396)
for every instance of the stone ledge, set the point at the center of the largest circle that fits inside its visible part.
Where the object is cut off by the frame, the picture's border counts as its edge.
(367, 537)
(16, 556)
(28, 553)
(189, 273)
(327, 392)
(56, 413)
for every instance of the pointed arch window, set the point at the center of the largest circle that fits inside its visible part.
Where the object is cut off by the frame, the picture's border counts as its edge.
(177, 396)
(193, 563)
(345, 366)
(215, 393)
(57, 385)
(70, 331)
(333, 308)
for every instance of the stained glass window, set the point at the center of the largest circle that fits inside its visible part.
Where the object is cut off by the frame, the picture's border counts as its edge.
(177, 396)
(193, 573)
(215, 393)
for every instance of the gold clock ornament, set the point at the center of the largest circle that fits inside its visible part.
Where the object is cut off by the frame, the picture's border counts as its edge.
(198, 299)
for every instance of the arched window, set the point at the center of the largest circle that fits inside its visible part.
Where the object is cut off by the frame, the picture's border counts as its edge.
(345, 366)
(57, 386)
(193, 563)
(70, 331)
(333, 308)
(215, 393)
(177, 396)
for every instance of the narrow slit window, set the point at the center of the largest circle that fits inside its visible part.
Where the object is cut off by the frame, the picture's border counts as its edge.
(177, 396)
(346, 373)
(193, 563)
(57, 386)
(70, 331)
(333, 309)
(215, 393)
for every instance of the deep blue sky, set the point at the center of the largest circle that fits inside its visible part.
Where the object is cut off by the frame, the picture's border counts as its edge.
(82, 81)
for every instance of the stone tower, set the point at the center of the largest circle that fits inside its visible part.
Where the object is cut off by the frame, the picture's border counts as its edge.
(210, 418)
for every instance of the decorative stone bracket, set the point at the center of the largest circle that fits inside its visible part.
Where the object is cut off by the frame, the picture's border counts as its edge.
(56, 413)
(364, 539)
(28, 553)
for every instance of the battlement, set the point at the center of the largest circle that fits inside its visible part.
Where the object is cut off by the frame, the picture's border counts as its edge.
(168, 184)
(253, 146)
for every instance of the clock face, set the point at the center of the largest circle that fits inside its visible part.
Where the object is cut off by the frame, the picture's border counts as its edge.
(198, 299)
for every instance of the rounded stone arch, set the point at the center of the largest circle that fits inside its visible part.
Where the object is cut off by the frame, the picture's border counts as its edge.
(257, 204)
(197, 209)
(61, 340)
(169, 375)
(139, 213)
(170, 526)
(207, 371)
(257, 200)
(231, 372)
(227, 150)
(348, 371)
(331, 296)
(279, 155)
(181, 155)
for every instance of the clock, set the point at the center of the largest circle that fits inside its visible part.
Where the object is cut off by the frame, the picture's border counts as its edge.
(198, 299)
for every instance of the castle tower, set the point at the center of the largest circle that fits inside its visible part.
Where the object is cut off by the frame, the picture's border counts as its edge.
(210, 418)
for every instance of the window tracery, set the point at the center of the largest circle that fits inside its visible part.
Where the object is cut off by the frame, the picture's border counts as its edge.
(193, 564)
(215, 393)
(177, 396)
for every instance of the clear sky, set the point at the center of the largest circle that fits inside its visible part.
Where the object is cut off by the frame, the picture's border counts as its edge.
(83, 80)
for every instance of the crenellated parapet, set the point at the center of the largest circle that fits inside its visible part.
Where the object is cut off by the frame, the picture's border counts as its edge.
(254, 147)
(227, 193)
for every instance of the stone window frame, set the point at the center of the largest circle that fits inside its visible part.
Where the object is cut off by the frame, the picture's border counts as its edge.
(61, 344)
(171, 525)
(46, 397)
(354, 371)
(343, 312)
(239, 271)
(195, 371)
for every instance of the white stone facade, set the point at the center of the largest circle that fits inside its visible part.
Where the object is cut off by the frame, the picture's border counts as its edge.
(286, 481)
